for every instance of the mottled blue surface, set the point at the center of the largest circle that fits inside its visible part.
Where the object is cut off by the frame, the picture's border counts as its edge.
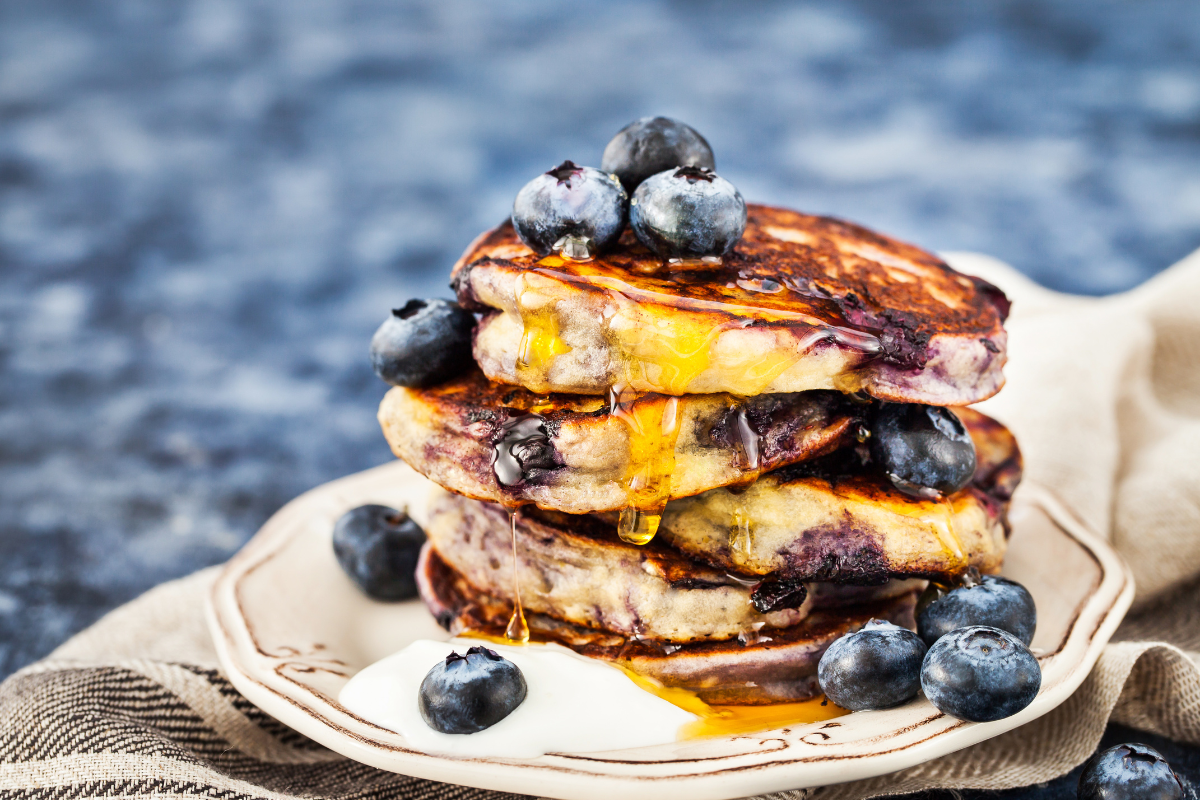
(206, 208)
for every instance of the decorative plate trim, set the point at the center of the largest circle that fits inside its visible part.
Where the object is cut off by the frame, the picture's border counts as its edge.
(284, 682)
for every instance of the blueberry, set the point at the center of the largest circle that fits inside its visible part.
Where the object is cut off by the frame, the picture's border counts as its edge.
(687, 212)
(1129, 772)
(378, 547)
(653, 144)
(992, 601)
(877, 666)
(980, 674)
(576, 210)
(466, 694)
(424, 343)
(923, 450)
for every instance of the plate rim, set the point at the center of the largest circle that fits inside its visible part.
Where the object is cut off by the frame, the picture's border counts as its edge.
(590, 777)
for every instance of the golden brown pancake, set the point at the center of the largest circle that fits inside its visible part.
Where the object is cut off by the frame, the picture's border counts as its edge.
(573, 454)
(773, 665)
(574, 568)
(802, 303)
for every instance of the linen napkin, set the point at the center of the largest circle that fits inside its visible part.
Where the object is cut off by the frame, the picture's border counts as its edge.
(1104, 397)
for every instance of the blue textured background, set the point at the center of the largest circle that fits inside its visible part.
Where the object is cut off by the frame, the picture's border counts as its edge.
(207, 207)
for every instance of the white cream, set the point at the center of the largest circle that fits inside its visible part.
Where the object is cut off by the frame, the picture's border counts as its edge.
(573, 704)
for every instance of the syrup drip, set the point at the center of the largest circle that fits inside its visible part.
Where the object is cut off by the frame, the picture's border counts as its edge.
(653, 424)
(741, 526)
(938, 513)
(741, 532)
(540, 342)
(518, 629)
(948, 534)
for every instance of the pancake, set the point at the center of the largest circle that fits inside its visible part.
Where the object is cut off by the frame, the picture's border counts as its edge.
(820, 521)
(802, 303)
(575, 569)
(576, 455)
(772, 665)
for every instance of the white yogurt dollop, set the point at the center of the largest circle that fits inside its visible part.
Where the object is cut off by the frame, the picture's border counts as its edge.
(573, 704)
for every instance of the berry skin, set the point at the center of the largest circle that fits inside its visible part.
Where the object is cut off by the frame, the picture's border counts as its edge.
(877, 666)
(993, 601)
(577, 209)
(1129, 772)
(980, 674)
(651, 145)
(423, 344)
(924, 450)
(687, 213)
(377, 547)
(467, 694)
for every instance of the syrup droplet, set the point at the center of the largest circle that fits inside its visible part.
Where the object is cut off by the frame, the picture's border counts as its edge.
(576, 248)
(754, 635)
(518, 629)
(703, 262)
(760, 285)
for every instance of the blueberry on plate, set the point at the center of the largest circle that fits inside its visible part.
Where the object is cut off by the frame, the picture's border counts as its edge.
(650, 145)
(877, 666)
(466, 694)
(377, 547)
(575, 210)
(687, 213)
(422, 344)
(991, 600)
(924, 450)
(1129, 772)
(980, 674)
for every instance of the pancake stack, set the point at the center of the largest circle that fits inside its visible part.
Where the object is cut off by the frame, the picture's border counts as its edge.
(669, 464)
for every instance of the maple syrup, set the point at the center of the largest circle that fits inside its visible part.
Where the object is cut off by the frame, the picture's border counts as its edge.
(727, 720)
(663, 351)
(517, 629)
(540, 342)
(653, 425)
(741, 533)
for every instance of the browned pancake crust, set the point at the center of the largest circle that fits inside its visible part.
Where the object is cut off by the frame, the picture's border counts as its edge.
(449, 433)
(776, 665)
(813, 526)
(932, 335)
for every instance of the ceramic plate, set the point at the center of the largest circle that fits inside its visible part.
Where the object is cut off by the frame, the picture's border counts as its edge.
(291, 629)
